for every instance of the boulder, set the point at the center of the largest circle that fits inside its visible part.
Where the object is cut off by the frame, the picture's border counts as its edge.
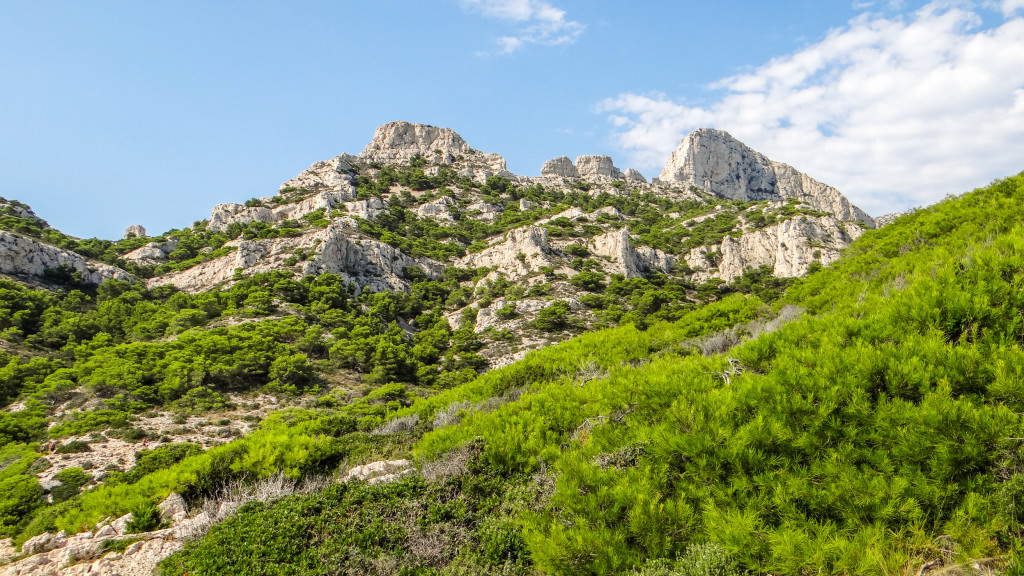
(172, 506)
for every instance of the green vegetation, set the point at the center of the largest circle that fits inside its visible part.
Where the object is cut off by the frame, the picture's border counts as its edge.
(875, 433)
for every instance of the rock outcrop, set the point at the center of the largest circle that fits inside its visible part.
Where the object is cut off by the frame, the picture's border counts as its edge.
(439, 210)
(788, 247)
(135, 231)
(523, 250)
(595, 167)
(153, 253)
(334, 174)
(714, 161)
(399, 142)
(623, 258)
(338, 249)
(561, 167)
(886, 219)
(24, 256)
(632, 175)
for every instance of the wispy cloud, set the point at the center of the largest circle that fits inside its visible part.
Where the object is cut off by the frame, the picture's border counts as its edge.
(894, 111)
(535, 21)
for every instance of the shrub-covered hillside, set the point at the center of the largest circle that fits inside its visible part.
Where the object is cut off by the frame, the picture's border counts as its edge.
(876, 434)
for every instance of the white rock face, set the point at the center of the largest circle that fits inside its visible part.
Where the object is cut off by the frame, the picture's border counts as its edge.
(399, 142)
(714, 161)
(559, 168)
(334, 174)
(487, 211)
(337, 249)
(135, 231)
(530, 241)
(438, 210)
(632, 175)
(365, 209)
(597, 167)
(224, 215)
(788, 247)
(20, 255)
(624, 258)
(153, 253)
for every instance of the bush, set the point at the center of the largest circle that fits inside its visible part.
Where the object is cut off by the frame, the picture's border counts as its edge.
(145, 518)
(507, 312)
(587, 280)
(74, 447)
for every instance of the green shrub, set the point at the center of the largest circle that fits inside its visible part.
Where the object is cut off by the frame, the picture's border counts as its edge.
(73, 447)
(145, 518)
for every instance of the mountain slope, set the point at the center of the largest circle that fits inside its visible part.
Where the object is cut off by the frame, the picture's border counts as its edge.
(876, 433)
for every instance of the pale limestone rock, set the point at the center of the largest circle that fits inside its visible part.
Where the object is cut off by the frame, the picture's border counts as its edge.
(618, 246)
(438, 210)
(530, 241)
(479, 167)
(487, 211)
(365, 209)
(105, 532)
(337, 249)
(327, 200)
(559, 168)
(121, 524)
(632, 175)
(154, 252)
(525, 204)
(380, 472)
(597, 168)
(224, 215)
(20, 255)
(135, 231)
(715, 162)
(571, 213)
(788, 247)
(173, 505)
(334, 174)
(886, 219)
(399, 142)
(17, 210)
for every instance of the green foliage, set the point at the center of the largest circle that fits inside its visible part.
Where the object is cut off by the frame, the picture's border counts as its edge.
(145, 518)
(73, 447)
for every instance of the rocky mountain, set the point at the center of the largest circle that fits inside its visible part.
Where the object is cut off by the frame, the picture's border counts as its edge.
(419, 199)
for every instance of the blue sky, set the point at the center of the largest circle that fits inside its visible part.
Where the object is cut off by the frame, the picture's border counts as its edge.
(117, 113)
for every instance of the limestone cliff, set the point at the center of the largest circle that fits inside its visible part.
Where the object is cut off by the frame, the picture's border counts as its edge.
(714, 161)
(24, 256)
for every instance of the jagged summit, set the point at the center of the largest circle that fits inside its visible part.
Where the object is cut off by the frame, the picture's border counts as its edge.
(714, 161)
(589, 167)
(397, 142)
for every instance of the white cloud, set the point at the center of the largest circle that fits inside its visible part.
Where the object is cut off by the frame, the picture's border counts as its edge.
(1009, 7)
(537, 21)
(895, 112)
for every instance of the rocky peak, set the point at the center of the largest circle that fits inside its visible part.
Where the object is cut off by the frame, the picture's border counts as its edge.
(135, 231)
(399, 142)
(560, 167)
(713, 161)
(592, 167)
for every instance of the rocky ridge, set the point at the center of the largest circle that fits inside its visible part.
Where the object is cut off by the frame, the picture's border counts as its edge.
(736, 209)
(715, 162)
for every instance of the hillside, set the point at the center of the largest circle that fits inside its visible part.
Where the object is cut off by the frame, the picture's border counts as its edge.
(577, 373)
(876, 432)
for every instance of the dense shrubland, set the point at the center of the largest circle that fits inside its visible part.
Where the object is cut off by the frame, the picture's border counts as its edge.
(876, 433)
